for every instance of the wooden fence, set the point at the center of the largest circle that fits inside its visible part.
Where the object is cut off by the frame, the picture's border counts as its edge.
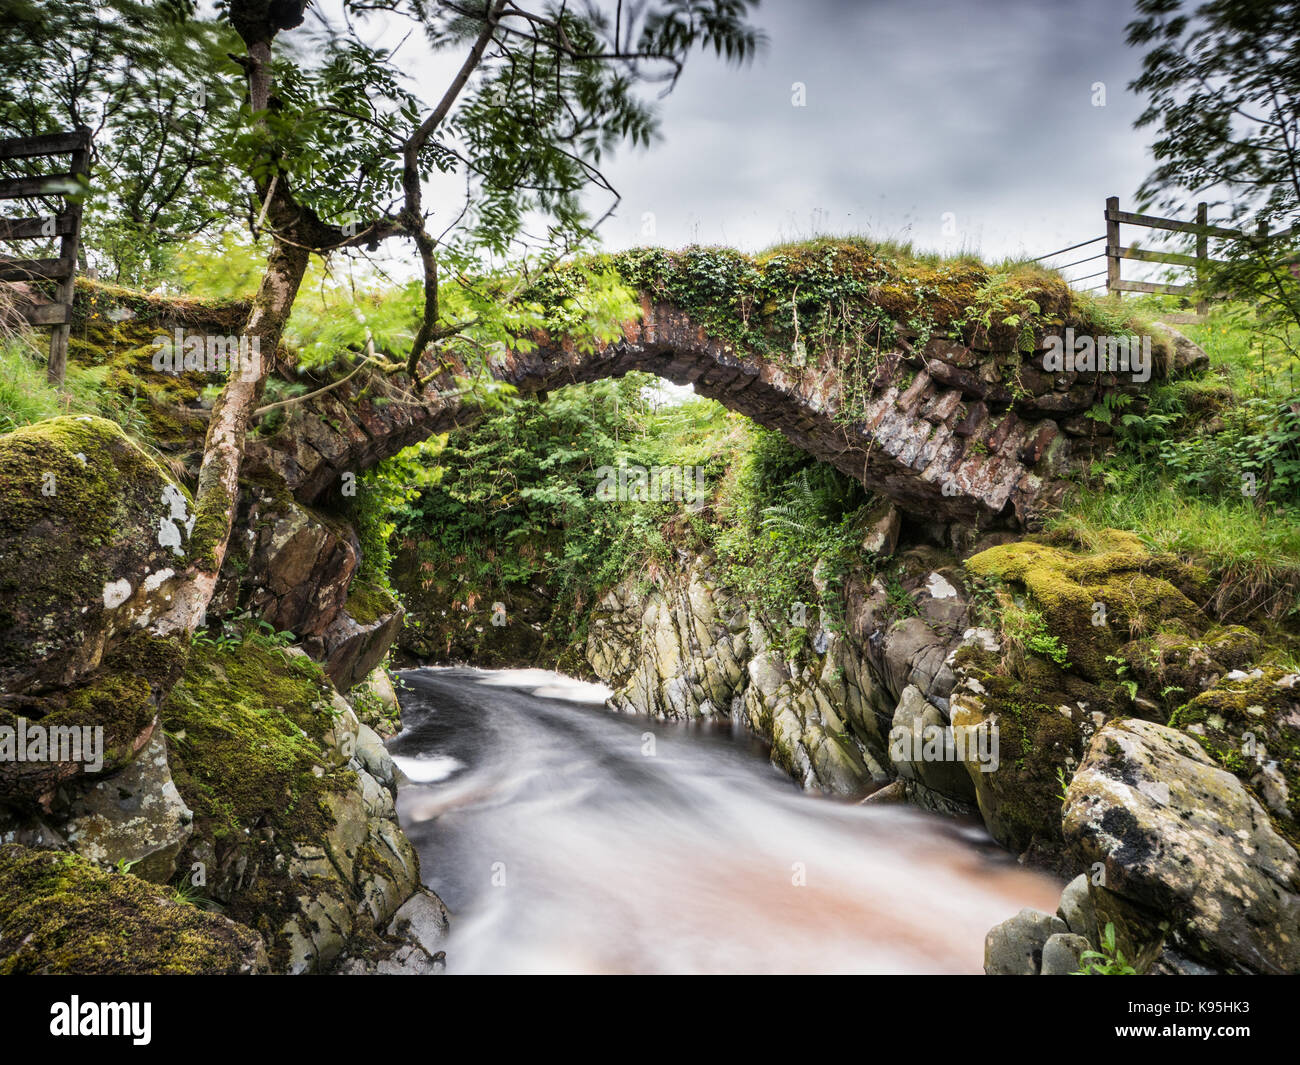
(68, 186)
(1201, 229)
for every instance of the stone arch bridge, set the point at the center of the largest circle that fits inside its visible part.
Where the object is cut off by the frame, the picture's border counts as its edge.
(948, 432)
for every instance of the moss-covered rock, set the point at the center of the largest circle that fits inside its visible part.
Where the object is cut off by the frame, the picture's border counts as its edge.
(1095, 602)
(1183, 848)
(93, 533)
(292, 835)
(61, 914)
(120, 697)
(1172, 667)
(1043, 721)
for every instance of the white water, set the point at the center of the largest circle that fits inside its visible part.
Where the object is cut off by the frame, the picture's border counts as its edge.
(560, 846)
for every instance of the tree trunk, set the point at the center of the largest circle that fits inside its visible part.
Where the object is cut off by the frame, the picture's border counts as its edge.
(223, 451)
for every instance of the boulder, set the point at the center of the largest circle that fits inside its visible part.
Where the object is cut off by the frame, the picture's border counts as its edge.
(1015, 947)
(1076, 910)
(135, 816)
(93, 537)
(1062, 954)
(921, 748)
(1182, 838)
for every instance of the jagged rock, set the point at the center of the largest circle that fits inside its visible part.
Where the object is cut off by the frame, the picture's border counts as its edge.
(921, 748)
(294, 833)
(375, 759)
(1015, 947)
(1249, 723)
(423, 919)
(1180, 837)
(353, 644)
(135, 816)
(295, 564)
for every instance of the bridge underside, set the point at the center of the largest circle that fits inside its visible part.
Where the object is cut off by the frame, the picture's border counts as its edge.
(948, 432)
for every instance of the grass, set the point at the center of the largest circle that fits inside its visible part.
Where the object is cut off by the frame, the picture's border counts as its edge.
(1251, 549)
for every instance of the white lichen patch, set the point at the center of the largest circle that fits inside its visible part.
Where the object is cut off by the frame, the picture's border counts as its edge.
(155, 580)
(939, 588)
(177, 518)
(116, 593)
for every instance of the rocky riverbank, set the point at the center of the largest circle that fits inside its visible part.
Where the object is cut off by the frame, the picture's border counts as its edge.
(1152, 756)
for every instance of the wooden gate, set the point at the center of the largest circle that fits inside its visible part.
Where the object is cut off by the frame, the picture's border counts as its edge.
(70, 186)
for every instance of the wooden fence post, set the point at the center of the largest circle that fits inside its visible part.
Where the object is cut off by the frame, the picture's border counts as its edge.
(1202, 256)
(1112, 246)
(71, 187)
(68, 248)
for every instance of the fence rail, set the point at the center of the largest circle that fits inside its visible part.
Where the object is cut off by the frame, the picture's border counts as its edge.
(66, 225)
(1116, 252)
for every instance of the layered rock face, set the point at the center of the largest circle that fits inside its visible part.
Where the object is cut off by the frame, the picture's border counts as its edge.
(695, 650)
(1187, 849)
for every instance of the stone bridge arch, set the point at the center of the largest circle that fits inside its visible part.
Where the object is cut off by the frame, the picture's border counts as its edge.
(949, 432)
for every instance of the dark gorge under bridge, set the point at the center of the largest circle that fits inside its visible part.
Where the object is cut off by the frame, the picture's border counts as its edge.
(949, 432)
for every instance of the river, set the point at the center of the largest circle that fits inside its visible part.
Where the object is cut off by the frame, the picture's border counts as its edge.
(567, 838)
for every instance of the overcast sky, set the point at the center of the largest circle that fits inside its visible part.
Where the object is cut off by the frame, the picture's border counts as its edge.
(960, 125)
(915, 109)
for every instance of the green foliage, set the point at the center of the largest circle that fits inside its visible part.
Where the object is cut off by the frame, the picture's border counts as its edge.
(1221, 84)
(782, 519)
(1109, 961)
(516, 505)
(27, 397)
(1026, 627)
(382, 494)
(1208, 468)
(512, 500)
(162, 97)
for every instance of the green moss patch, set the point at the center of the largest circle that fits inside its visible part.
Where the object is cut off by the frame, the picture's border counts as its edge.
(61, 914)
(247, 728)
(1072, 590)
(1040, 742)
(80, 506)
(367, 602)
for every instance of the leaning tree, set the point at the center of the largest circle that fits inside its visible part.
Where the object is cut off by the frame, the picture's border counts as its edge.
(337, 148)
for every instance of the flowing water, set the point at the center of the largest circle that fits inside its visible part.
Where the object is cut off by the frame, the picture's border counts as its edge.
(566, 838)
